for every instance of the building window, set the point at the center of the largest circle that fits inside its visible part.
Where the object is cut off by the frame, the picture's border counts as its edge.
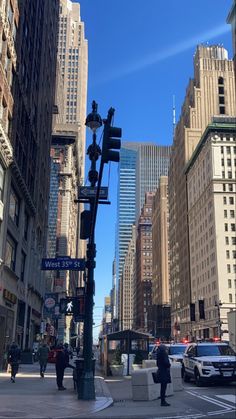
(233, 227)
(229, 283)
(234, 254)
(227, 254)
(230, 298)
(26, 225)
(233, 241)
(10, 255)
(225, 200)
(226, 240)
(226, 227)
(231, 212)
(231, 199)
(14, 209)
(22, 270)
(225, 213)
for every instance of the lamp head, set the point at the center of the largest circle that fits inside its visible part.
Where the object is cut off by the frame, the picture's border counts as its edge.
(93, 120)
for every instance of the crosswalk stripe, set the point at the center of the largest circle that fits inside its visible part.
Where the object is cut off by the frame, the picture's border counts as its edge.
(228, 397)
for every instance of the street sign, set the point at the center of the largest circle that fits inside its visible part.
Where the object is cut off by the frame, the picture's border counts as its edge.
(63, 264)
(90, 192)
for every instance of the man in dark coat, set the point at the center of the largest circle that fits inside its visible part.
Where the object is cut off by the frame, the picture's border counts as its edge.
(13, 358)
(43, 352)
(60, 366)
(163, 364)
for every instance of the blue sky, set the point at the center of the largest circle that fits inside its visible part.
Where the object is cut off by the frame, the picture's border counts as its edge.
(140, 55)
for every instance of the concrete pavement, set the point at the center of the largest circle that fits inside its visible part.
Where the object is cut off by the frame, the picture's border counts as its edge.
(32, 397)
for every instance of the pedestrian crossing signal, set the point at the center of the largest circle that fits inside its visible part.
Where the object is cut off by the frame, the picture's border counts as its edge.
(70, 306)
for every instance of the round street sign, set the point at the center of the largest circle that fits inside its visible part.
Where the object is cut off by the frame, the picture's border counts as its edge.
(49, 302)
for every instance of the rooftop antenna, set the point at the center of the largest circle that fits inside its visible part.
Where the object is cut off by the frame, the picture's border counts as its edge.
(173, 110)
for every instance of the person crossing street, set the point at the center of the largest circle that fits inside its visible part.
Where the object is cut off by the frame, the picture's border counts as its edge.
(43, 352)
(13, 358)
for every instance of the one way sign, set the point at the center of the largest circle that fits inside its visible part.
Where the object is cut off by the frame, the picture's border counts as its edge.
(90, 192)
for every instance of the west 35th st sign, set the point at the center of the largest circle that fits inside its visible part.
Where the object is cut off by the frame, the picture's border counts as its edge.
(63, 263)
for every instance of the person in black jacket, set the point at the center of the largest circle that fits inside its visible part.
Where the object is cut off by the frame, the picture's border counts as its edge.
(13, 358)
(163, 364)
(61, 362)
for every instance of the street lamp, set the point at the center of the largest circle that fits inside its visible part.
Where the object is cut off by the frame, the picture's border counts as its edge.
(86, 390)
(94, 122)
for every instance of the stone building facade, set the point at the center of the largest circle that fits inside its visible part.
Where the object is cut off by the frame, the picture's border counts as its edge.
(28, 60)
(211, 92)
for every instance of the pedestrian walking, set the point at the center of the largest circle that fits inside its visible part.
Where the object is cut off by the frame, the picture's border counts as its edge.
(60, 366)
(163, 364)
(42, 354)
(68, 355)
(13, 358)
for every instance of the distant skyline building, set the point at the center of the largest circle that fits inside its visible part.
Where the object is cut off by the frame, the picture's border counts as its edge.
(141, 165)
(152, 162)
(143, 271)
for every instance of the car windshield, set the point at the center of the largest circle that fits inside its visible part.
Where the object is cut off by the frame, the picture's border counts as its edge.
(174, 350)
(214, 350)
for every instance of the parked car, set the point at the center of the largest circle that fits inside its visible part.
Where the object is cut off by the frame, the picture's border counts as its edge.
(209, 362)
(175, 351)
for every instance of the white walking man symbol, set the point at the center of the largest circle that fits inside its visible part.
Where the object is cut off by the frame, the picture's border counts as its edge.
(69, 306)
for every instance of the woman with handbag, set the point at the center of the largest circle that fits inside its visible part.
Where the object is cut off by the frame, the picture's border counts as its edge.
(164, 378)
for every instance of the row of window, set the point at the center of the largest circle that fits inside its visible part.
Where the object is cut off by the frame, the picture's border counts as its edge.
(232, 227)
(229, 174)
(231, 213)
(229, 201)
(228, 149)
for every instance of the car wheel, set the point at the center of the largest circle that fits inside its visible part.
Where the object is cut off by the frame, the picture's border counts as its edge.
(198, 380)
(185, 376)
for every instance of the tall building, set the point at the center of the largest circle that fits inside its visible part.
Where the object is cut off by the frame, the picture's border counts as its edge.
(160, 244)
(128, 284)
(67, 157)
(141, 165)
(143, 274)
(125, 210)
(152, 162)
(73, 59)
(211, 92)
(211, 189)
(28, 69)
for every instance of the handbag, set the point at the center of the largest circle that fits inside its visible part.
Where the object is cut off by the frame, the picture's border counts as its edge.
(156, 377)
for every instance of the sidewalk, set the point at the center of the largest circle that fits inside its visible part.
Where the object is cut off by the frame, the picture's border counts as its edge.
(32, 397)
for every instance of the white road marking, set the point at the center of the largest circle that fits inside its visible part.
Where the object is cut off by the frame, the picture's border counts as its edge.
(211, 400)
(228, 397)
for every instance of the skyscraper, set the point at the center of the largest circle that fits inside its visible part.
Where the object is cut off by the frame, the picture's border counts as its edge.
(73, 59)
(141, 165)
(152, 162)
(210, 93)
(68, 155)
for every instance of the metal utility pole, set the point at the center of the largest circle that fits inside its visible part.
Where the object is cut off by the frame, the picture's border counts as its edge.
(88, 222)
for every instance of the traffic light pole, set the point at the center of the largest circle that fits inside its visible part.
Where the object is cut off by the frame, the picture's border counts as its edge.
(88, 389)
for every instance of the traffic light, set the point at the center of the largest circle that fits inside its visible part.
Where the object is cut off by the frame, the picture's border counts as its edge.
(85, 224)
(111, 142)
(201, 309)
(192, 312)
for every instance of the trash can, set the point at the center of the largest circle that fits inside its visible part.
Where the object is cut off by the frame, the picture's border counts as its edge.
(78, 375)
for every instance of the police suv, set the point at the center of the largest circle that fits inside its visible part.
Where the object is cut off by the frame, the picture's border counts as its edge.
(209, 362)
